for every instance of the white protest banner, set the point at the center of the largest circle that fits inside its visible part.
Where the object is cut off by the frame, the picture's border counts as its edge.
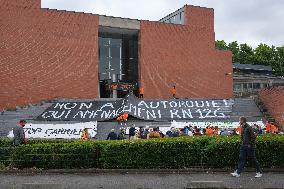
(221, 125)
(62, 131)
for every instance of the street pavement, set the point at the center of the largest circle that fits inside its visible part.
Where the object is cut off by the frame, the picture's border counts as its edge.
(138, 180)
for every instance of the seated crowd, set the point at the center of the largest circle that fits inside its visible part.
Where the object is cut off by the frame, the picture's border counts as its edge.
(147, 133)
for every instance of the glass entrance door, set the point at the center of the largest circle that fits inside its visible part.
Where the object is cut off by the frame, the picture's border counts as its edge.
(118, 64)
(110, 64)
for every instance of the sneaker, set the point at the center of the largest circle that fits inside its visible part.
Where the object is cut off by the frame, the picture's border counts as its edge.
(258, 175)
(235, 174)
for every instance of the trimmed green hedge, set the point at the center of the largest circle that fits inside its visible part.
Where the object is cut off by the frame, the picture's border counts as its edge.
(5, 142)
(183, 152)
(56, 156)
(156, 153)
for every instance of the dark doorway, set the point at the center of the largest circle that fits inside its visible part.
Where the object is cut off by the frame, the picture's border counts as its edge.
(118, 64)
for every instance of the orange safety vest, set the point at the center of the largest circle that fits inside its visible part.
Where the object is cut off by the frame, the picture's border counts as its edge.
(141, 90)
(238, 130)
(174, 91)
(209, 132)
(273, 129)
(125, 116)
(267, 128)
(84, 135)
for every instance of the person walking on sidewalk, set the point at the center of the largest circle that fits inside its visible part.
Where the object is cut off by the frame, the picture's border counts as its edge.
(247, 148)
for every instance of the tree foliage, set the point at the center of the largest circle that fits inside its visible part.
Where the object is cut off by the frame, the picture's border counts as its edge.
(263, 54)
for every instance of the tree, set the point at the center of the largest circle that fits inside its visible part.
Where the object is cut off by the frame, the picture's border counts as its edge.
(246, 54)
(221, 45)
(278, 68)
(264, 55)
(234, 47)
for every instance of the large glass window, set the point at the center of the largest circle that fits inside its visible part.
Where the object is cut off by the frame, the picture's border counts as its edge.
(265, 85)
(256, 85)
(237, 87)
(118, 61)
(177, 19)
(250, 85)
(174, 18)
(182, 17)
(109, 58)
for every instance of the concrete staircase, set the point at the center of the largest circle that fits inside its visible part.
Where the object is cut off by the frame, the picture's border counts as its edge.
(246, 107)
(265, 112)
(8, 119)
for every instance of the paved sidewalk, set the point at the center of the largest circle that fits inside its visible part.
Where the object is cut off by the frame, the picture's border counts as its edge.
(138, 180)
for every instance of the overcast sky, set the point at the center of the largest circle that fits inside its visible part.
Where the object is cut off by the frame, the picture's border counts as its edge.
(245, 21)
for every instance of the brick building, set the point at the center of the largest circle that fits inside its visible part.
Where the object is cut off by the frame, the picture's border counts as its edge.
(273, 99)
(47, 54)
(249, 79)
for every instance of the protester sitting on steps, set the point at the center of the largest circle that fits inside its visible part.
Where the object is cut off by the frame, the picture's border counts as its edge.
(185, 131)
(173, 132)
(169, 133)
(197, 132)
(256, 129)
(155, 133)
(131, 133)
(274, 129)
(112, 135)
(162, 135)
(194, 129)
(225, 132)
(121, 135)
(136, 135)
(203, 131)
(209, 131)
(267, 127)
(144, 134)
(270, 128)
(85, 134)
(190, 131)
(216, 131)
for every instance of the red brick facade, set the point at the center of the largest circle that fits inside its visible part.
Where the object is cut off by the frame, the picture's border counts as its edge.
(185, 56)
(46, 54)
(273, 99)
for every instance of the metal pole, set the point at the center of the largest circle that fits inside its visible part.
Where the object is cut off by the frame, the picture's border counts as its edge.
(114, 91)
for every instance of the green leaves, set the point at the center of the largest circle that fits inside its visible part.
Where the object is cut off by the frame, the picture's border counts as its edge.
(263, 54)
(177, 153)
(221, 45)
